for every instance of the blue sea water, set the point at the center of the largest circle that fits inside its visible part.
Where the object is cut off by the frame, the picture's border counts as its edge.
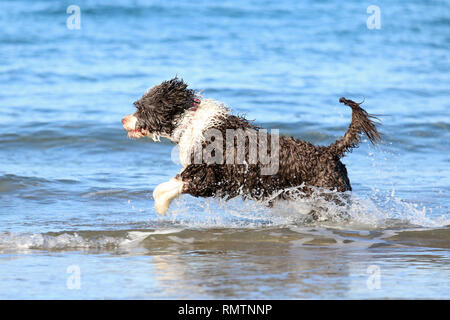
(75, 192)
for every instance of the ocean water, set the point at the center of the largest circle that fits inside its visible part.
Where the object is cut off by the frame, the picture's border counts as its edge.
(77, 219)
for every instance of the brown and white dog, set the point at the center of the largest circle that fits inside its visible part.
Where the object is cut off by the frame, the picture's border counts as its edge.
(173, 111)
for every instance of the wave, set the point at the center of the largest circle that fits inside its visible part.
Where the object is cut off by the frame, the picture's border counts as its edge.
(169, 239)
(75, 240)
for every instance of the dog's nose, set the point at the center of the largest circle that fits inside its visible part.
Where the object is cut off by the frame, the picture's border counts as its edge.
(129, 122)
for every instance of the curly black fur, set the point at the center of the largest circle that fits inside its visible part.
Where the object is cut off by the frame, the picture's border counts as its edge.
(300, 163)
(157, 108)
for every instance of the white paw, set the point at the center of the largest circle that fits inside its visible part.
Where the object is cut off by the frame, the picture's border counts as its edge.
(158, 191)
(165, 193)
(161, 206)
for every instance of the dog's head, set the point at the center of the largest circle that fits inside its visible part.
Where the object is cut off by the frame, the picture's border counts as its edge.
(159, 109)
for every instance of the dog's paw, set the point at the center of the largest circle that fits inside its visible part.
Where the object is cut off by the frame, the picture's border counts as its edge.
(161, 207)
(165, 193)
(161, 202)
(158, 192)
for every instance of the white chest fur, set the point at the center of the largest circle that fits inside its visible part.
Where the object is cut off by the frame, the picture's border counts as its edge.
(190, 127)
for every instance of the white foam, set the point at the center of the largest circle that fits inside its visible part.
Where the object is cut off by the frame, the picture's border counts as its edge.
(48, 242)
(76, 241)
(134, 238)
(379, 210)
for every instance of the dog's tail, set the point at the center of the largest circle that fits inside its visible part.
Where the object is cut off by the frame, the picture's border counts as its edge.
(361, 122)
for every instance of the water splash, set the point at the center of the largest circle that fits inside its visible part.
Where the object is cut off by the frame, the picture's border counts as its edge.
(374, 211)
(377, 212)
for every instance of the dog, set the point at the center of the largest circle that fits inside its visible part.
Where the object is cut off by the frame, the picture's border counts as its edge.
(171, 110)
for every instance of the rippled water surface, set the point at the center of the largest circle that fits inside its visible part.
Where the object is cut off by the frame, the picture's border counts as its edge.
(77, 217)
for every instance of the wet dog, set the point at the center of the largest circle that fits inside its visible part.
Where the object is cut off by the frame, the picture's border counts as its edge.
(225, 155)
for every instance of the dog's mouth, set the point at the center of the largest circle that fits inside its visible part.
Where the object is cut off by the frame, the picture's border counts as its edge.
(137, 133)
(129, 123)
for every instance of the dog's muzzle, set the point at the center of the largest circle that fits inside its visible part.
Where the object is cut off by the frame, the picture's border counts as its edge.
(129, 123)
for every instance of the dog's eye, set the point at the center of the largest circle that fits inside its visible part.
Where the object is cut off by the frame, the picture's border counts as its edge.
(136, 105)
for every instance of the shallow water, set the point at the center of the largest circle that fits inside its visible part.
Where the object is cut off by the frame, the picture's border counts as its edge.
(77, 217)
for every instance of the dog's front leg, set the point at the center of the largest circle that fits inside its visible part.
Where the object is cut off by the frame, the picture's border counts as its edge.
(165, 193)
